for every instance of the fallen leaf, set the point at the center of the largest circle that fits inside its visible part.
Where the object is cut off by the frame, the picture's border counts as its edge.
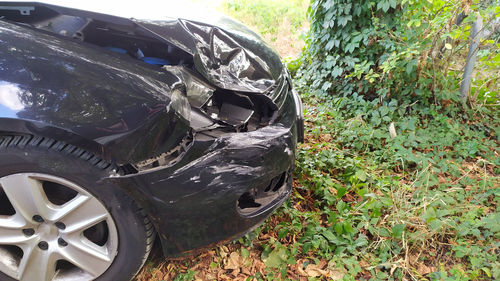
(424, 269)
(313, 270)
(235, 261)
(336, 275)
(300, 268)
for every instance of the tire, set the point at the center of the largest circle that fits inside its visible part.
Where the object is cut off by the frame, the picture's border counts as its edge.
(122, 239)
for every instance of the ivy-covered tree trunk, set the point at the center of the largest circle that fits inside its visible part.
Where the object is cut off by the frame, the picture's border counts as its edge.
(346, 35)
(406, 50)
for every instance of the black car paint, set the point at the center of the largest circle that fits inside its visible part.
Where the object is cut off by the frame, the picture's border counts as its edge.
(195, 202)
(87, 97)
(120, 110)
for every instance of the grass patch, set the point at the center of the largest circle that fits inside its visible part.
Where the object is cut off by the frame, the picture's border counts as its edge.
(282, 23)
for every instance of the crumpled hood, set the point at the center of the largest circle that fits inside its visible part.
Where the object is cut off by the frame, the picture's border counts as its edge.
(225, 52)
(228, 54)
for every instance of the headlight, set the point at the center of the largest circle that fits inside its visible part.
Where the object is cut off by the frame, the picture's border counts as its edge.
(198, 92)
(197, 105)
(181, 104)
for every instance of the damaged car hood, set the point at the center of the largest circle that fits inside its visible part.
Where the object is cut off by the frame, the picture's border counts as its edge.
(219, 54)
(225, 52)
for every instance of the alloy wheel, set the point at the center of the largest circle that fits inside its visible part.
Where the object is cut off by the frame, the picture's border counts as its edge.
(53, 229)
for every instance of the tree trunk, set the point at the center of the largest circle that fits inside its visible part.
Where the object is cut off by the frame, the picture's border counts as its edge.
(475, 40)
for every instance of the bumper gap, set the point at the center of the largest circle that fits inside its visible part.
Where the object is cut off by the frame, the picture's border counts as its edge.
(259, 198)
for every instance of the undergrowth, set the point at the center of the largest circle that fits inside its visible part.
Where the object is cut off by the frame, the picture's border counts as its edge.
(422, 204)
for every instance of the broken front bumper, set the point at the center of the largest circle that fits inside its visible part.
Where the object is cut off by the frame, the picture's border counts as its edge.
(221, 188)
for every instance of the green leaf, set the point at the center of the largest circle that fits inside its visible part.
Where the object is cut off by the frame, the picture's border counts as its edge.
(486, 271)
(276, 258)
(383, 5)
(348, 227)
(338, 228)
(380, 5)
(410, 66)
(306, 247)
(435, 224)
(386, 6)
(329, 45)
(360, 175)
(245, 253)
(337, 71)
(384, 110)
(282, 233)
(492, 222)
(384, 232)
(397, 230)
(342, 21)
(341, 191)
(361, 241)
(461, 251)
(329, 235)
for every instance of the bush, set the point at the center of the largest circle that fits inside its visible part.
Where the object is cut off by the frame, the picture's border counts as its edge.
(405, 49)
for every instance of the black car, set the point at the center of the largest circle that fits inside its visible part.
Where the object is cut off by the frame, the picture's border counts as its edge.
(115, 131)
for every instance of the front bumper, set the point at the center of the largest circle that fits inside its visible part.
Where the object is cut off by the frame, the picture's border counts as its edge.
(220, 189)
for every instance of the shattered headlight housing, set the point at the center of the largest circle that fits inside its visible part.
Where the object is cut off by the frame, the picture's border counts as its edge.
(212, 108)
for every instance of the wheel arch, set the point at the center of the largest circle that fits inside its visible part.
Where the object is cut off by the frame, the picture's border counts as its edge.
(12, 127)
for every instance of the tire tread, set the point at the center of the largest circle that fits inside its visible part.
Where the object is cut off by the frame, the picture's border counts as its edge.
(23, 141)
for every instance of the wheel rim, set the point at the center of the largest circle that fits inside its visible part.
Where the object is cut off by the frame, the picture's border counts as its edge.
(52, 229)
